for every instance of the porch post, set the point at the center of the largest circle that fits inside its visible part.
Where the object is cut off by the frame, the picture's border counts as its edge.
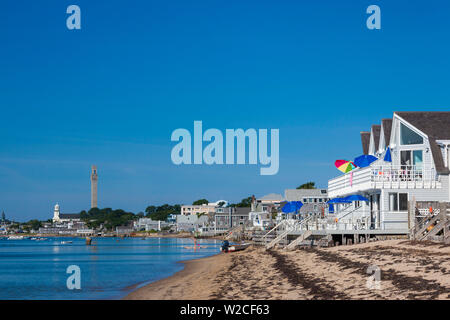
(412, 217)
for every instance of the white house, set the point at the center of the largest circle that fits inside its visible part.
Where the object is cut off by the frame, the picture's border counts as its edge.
(419, 146)
(209, 208)
(59, 217)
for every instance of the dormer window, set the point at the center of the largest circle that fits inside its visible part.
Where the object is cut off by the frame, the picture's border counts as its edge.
(408, 136)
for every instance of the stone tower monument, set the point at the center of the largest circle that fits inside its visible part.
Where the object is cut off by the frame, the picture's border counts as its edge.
(94, 179)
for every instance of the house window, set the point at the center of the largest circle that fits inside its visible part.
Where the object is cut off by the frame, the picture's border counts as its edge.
(398, 201)
(403, 201)
(418, 158)
(411, 157)
(408, 136)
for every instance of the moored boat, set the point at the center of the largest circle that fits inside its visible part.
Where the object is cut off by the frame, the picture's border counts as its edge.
(227, 247)
(15, 237)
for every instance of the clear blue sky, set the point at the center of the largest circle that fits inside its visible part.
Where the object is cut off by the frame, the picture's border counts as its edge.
(111, 93)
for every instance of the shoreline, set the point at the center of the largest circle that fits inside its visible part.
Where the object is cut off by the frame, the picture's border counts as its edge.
(409, 271)
(151, 235)
(189, 283)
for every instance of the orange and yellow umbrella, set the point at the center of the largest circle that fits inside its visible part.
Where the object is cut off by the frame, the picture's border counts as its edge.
(344, 165)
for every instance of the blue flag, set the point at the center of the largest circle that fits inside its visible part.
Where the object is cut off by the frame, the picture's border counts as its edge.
(387, 156)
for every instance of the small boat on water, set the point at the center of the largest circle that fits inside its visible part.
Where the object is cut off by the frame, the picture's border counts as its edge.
(66, 242)
(227, 247)
(15, 237)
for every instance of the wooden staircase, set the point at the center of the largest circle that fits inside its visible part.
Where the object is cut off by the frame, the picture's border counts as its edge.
(447, 232)
(278, 239)
(299, 240)
(436, 227)
(261, 238)
(421, 229)
(235, 233)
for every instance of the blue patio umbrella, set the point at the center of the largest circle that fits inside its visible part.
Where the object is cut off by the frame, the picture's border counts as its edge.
(338, 200)
(331, 208)
(365, 160)
(387, 156)
(356, 197)
(292, 206)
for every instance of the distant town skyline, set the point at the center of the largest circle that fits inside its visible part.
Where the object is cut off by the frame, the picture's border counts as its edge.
(112, 93)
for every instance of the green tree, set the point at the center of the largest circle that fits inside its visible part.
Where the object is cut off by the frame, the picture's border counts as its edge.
(34, 224)
(108, 217)
(200, 202)
(162, 212)
(150, 209)
(221, 203)
(246, 202)
(308, 185)
(199, 214)
(140, 215)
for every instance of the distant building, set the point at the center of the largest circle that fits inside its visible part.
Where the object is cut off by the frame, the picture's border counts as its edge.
(94, 181)
(267, 203)
(262, 209)
(172, 218)
(187, 210)
(64, 217)
(121, 230)
(209, 208)
(314, 200)
(191, 222)
(57, 230)
(228, 218)
(148, 224)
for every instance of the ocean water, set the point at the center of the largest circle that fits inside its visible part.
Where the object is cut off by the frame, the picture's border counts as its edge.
(110, 269)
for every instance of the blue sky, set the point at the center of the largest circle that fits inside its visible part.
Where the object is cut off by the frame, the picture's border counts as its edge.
(111, 93)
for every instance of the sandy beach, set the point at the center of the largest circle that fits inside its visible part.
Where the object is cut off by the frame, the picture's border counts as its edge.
(409, 270)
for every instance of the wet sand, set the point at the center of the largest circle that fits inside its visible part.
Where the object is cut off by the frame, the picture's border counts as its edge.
(408, 270)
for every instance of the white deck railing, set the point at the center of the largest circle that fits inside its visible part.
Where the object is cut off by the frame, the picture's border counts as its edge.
(383, 177)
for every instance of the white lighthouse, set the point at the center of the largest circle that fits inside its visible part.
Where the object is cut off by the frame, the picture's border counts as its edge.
(56, 214)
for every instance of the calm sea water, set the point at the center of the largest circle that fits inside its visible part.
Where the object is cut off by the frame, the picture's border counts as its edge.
(109, 270)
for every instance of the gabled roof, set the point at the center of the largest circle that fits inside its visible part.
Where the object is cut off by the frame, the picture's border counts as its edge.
(376, 130)
(272, 197)
(387, 127)
(299, 194)
(365, 140)
(436, 125)
(242, 211)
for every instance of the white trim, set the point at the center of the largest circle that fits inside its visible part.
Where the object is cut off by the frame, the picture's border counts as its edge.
(410, 125)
